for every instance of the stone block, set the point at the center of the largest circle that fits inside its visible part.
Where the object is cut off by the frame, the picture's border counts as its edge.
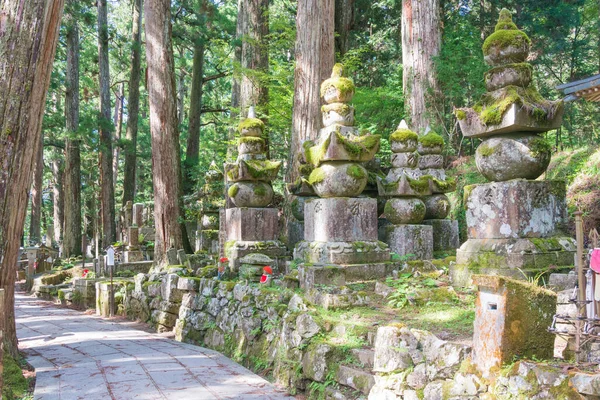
(516, 209)
(515, 119)
(392, 349)
(356, 379)
(182, 257)
(511, 319)
(510, 257)
(445, 234)
(138, 210)
(340, 275)
(252, 224)
(340, 219)
(235, 250)
(405, 160)
(431, 161)
(172, 257)
(133, 256)
(342, 253)
(414, 241)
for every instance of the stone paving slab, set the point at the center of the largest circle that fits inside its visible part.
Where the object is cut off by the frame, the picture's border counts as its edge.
(79, 356)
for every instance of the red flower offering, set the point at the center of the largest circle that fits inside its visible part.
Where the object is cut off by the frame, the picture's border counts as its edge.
(85, 272)
(267, 269)
(264, 279)
(223, 259)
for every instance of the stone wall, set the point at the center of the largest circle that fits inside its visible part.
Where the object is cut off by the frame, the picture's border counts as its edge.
(277, 332)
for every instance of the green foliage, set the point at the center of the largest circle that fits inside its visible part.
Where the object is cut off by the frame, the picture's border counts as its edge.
(405, 287)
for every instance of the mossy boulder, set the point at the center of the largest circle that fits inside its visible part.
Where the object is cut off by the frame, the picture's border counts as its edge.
(251, 127)
(339, 179)
(405, 210)
(507, 44)
(437, 206)
(404, 141)
(251, 194)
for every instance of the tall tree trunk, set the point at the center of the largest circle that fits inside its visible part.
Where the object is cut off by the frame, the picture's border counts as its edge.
(35, 221)
(192, 152)
(163, 128)
(106, 176)
(133, 104)
(28, 38)
(315, 49)
(181, 91)
(235, 86)
(255, 58)
(118, 121)
(344, 19)
(72, 174)
(421, 40)
(58, 201)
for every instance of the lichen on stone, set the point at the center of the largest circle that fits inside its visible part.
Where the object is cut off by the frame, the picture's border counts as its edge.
(338, 81)
(317, 175)
(460, 115)
(260, 190)
(340, 108)
(251, 140)
(262, 168)
(250, 123)
(233, 190)
(356, 171)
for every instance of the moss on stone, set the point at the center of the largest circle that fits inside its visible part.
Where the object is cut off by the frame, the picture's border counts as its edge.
(539, 147)
(233, 190)
(340, 108)
(403, 135)
(259, 190)
(251, 123)
(460, 115)
(432, 139)
(251, 140)
(316, 176)
(305, 169)
(504, 38)
(419, 185)
(356, 171)
(485, 150)
(262, 168)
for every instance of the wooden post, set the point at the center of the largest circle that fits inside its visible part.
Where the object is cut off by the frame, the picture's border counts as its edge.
(2, 321)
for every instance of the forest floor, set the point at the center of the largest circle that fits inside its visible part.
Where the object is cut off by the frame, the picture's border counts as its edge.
(79, 356)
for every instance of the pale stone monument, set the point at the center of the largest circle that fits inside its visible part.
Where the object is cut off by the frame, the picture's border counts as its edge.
(340, 228)
(515, 223)
(133, 253)
(252, 226)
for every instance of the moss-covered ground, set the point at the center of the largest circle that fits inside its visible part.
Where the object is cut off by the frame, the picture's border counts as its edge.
(18, 379)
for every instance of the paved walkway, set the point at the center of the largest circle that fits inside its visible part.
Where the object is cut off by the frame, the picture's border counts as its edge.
(79, 356)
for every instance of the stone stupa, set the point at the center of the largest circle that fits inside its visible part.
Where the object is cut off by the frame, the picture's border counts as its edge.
(515, 224)
(252, 226)
(340, 228)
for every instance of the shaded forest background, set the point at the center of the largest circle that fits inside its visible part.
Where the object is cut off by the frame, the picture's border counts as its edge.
(565, 46)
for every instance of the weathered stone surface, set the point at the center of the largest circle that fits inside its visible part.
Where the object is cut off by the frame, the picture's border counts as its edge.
(314, 362)
(356, 379)
(405, 160)
(588, 384)
(415, 241)
(251, 194)
(445, 234)
(133, 256)
(297, 205)
(340, 179)
(306, 326)
(172, 257)
(515, 209)
(340, 219)
(431, 161)
(514, 155)
(560, 282)
(437, 206)
(405, 210)
(342, 253)
(392, 346)
(507, 313)
(252, 224)
(510, 74)
(337, 275)
(515, 119)
(365, 357)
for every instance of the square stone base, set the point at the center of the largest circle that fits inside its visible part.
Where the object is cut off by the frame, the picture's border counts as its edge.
(342, 253)
(445, 234)
(133, 256)
(340, 275)
(235, 250)
(252, 224)
(510, 257)
(412, 241)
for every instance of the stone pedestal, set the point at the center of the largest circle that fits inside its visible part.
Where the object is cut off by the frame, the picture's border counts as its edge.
(253, 230)
(412, 241)
(511, 319)
(445, 234)
(133, 256)
(341, 230)
(514, 227)
(337, 275)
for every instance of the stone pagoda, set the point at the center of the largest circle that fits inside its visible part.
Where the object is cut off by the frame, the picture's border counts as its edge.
(340, 228)
(212, 200)
(515, 223)
(252, 226)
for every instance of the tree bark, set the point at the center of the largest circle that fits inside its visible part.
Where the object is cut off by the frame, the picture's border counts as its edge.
(421, 41)
(58, 203)
(192, 152)
(133, 104)
(255, 58)
(72, 174)
(235, 85)
(315, 52)
(105, 124)
(35, 221)
(118, 121)
(28, 38)
(344, 19)
(163, 128)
